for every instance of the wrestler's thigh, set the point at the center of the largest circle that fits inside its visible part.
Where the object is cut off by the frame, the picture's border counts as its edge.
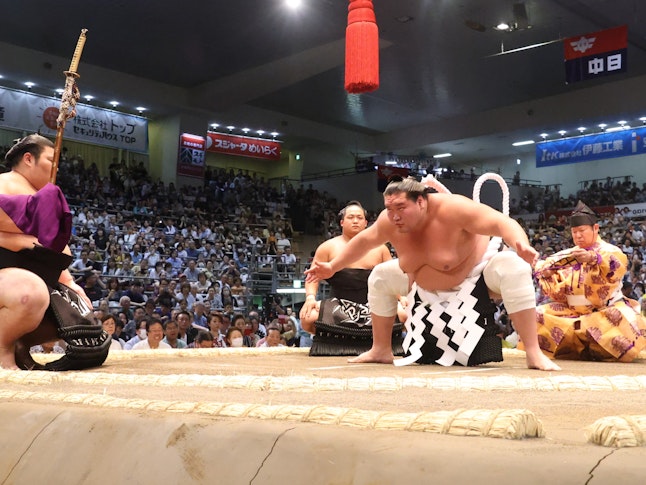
(22, 289)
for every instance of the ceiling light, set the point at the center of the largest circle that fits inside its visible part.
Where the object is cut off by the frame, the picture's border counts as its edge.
(261, 132)
(602, 126)
(518, 161)
(214, 125)
(60, 91)
(622, 122)
(642, 119)
(1, 76)
(29, 84)
(543, 135)
(581, 129)
(442, 155)
(88, 97)
(140, 109)
(230, 127)
(562, 132)
(274, 134)
(293, 3)
(114, 103)
(521, 143)
(391, 162)
(618, 128)
(502, 26)
(245, 130)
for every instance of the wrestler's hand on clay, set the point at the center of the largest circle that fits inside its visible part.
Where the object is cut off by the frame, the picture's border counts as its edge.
(527, 252)
(318, 271)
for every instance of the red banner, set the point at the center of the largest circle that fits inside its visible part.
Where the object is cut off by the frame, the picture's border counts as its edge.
(386, 172)
(190, 160)
(596, 43)
(243, 146)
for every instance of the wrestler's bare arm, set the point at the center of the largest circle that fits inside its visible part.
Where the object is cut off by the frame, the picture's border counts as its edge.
(369, 238)
(482, 219)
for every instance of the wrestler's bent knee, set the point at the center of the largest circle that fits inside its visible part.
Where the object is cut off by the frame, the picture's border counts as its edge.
(386, 282)
(508, 275)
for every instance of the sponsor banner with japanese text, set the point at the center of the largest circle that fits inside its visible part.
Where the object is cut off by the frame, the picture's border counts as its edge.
(242, 146)
(190, 160)
(591, 147)
(33, 113)
(596, 54)
(632, 210)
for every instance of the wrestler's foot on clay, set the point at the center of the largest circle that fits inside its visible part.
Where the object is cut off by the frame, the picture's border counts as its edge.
(373, 356)
(541, 362)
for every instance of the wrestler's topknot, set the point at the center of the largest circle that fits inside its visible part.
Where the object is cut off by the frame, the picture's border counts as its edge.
(34, 144)
(409, 186)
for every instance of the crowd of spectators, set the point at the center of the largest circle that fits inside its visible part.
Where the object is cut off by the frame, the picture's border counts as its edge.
(149, 252)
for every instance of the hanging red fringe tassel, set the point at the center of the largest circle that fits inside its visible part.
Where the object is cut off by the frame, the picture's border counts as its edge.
(361, 48)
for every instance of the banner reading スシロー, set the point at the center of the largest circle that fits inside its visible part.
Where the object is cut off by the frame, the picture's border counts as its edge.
(34, 113)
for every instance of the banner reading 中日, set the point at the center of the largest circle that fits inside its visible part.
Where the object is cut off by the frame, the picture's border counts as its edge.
(591, 147)
(596, 54)
(35, 113)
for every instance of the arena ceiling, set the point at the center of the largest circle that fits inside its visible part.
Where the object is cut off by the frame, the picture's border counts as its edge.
(443, 88)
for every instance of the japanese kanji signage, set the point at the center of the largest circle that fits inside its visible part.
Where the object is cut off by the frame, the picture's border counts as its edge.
(190, 160)
(591, 147)
(597, 54)
(34, 113)
(242, 146)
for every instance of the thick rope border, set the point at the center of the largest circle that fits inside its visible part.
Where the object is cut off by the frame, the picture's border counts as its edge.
(618, 431)
(497, 423)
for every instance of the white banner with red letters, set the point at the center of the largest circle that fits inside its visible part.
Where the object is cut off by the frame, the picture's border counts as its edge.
(242, 146)
(33, 113)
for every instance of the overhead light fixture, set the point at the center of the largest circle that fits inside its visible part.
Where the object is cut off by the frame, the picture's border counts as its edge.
(543, 135)
(140, 109)
(617, 128)
(245, 130)
(524, 142)
(230, 128)
(114, 103)
(261, 132)
(502, 26)
(88, 97)
(518, 161)
(562, 133)
(214, 125)
(603, 126)
(274, 134)
(581, 129)
(642, 119)
(293, 3)
(622, 122)
(442, 155)
(29, 84)
(60, 91)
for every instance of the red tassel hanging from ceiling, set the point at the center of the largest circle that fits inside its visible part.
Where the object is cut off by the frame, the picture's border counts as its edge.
(361, 48)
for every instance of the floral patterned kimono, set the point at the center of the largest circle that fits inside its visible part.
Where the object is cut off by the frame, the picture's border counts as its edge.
(588, 317)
